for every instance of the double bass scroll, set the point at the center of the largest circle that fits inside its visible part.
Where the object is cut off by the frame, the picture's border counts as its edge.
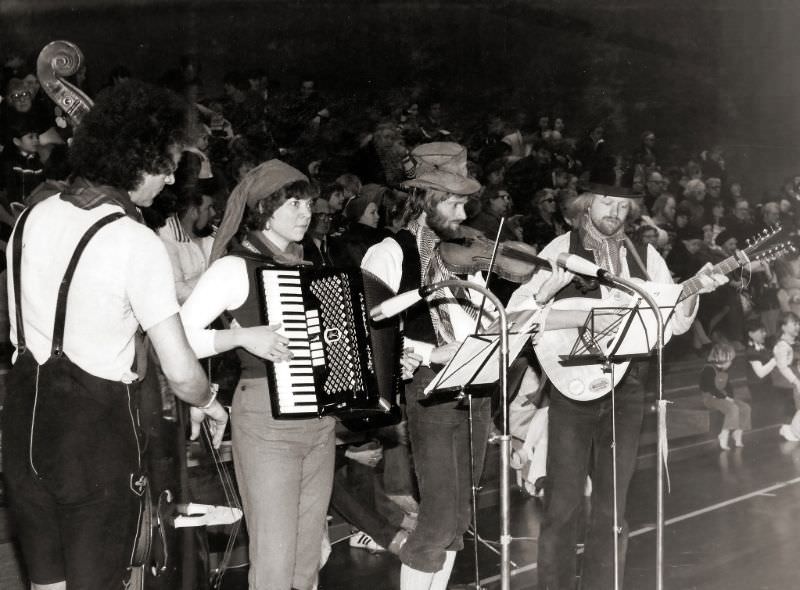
(57, 61)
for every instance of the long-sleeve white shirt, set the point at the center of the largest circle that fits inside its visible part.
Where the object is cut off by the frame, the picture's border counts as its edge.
(524, 297)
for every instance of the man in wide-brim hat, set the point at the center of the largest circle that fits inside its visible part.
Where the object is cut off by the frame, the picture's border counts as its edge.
(434, 329)
(580, 432)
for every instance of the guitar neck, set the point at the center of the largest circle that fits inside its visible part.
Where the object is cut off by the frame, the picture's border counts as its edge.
(693, 285)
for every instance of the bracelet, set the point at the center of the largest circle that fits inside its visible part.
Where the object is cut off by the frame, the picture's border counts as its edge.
(214, 391)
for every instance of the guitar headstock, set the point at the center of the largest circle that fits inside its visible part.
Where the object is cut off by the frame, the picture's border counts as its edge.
(770, 244)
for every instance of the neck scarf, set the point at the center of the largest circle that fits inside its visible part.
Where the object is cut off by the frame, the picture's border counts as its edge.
(433, 270)
(87, 195)
(258, 243)
(606, 249)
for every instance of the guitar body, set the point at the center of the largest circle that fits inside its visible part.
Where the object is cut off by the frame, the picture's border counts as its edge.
(585, 380)
(580, 382)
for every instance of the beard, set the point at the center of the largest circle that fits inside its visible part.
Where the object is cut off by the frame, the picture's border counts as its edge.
(442, 227)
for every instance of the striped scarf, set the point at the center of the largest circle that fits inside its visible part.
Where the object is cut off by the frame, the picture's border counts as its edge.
(606, 249)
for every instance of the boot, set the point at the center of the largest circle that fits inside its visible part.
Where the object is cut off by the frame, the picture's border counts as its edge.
(723, 440)
(737, 438)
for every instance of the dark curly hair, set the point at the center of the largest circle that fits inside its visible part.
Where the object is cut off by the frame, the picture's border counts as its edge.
(133, 128)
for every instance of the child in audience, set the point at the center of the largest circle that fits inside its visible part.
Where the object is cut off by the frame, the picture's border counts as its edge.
(717, 395)
(760, 361)
(786, 377)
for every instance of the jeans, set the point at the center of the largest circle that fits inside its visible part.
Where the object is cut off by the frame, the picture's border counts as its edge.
(285, 474)
(580, 444)
(439, 435)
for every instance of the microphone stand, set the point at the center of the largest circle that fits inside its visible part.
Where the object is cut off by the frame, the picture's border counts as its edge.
(661, 414)
(505, 437)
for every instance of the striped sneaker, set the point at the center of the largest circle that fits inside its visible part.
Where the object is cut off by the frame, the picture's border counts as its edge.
(361, 540)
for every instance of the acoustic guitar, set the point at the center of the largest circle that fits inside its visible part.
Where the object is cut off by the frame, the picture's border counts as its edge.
(591, 379)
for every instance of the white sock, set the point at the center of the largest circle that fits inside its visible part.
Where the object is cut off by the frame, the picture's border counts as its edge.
(411, 579)
(441, 577)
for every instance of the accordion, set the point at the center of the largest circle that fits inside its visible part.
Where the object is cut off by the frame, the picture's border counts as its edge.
(344, 365)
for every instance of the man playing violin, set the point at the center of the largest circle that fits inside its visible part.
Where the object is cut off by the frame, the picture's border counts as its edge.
(434, 329)
(580, 432)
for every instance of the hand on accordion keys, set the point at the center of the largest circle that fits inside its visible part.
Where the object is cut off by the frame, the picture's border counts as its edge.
(265, 342)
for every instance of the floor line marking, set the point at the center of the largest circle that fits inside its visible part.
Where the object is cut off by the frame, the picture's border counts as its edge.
(668, 522)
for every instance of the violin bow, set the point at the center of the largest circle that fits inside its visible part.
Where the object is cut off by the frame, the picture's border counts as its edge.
(489, 274)
(231, 499)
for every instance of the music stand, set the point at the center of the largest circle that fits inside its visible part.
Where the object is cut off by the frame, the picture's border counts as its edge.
(638, 330)
(478, 361)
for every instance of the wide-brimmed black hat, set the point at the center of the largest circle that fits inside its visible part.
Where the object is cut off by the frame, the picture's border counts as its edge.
(612, 191)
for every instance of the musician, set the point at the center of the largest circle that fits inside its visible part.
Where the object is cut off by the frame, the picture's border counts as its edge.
(284, 467)
(72, 446)
(580, 433)
(438, 432)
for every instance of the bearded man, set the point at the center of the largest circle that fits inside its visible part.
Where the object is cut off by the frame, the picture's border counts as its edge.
(434, 330)
(580, 433)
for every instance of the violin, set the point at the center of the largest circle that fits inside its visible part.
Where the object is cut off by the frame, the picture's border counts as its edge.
(472, 252)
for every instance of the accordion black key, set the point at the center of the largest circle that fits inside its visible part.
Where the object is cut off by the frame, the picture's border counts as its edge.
(344, 364)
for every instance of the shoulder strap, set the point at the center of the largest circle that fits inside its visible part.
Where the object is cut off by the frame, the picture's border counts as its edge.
(16, 265)
(57, 348)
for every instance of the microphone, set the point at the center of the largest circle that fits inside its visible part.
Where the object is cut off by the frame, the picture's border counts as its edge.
(581, 266)
(399, 303)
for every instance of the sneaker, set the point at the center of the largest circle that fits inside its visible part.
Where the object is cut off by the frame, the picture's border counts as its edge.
(361, 540)
(786, 432)
(723, 441)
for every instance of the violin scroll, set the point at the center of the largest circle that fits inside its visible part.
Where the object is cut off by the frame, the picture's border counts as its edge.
(57, 61)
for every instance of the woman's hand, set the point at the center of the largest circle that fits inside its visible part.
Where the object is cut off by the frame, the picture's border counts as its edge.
(265, 342)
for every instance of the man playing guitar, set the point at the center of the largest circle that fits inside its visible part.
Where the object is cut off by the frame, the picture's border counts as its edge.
(580, 433)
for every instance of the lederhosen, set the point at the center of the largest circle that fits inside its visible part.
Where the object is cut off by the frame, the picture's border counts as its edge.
(72, 455)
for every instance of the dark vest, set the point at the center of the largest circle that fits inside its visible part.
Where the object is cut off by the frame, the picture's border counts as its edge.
(417, 323)
(249, 315)
(592, 289)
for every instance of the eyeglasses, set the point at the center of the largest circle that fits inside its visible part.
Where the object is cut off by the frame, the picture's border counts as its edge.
(548, 200)
(327, 216)
(19, 95)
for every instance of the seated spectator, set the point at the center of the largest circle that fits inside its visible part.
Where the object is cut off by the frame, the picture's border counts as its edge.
(362, 230)
(760, 361)
(495, 205)
(540, 227)
(770, 216)
(22, 169)
(380, 160)
(717, 394)
(740, 223)
(663, 213)
(785, 379)
(317, 246)
(787, 271)
(694, 200)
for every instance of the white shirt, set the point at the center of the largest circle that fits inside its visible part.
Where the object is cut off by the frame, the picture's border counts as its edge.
(122, 281)
(523, 298)
(385, 261)
(224, 286)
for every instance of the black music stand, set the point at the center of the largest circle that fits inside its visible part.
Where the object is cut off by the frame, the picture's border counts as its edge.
(635, 333)
(477, 362)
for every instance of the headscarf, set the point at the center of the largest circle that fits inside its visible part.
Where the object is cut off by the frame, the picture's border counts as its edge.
(258, 183)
